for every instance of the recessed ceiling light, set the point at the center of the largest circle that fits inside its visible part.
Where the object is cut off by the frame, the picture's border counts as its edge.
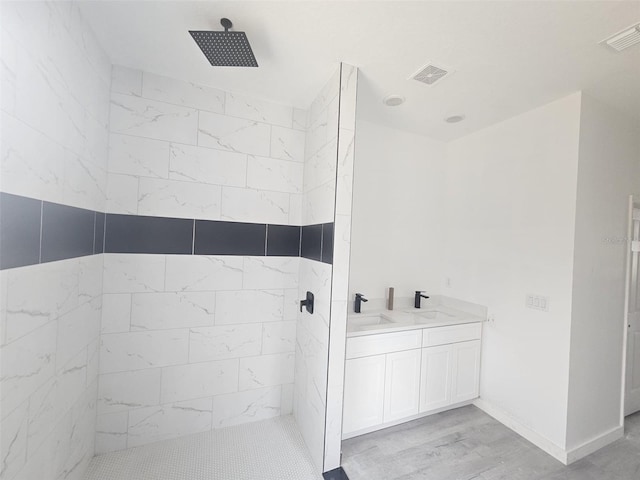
(393, 100)
(454, 118)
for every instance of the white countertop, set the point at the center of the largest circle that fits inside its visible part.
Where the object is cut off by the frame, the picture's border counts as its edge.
(387, 321)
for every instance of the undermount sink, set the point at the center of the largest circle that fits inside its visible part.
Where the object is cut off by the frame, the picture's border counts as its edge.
(368, 321)
(434, 315)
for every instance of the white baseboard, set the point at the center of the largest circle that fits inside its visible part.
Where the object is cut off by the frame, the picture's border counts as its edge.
(565, 456)
(538, 440)
(590, 446)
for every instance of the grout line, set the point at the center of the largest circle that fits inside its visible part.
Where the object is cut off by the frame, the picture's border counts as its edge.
(193, 239)
(95, 223)
(41, 221)
(266, 238)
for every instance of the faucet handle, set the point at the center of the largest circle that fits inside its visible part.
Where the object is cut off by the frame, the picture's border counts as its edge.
(361, 297)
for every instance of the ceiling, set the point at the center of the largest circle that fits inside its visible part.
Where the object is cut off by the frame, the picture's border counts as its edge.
(508, 56)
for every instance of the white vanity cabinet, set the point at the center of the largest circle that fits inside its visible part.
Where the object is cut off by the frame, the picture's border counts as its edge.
(394, 377)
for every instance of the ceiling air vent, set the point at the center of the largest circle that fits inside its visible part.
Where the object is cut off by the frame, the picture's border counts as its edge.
(430, 74)
(624, 39)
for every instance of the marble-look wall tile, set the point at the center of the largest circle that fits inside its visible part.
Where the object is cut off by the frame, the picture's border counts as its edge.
(126, 80)
(295, 209)
(207, 165)
(272, 174)
(170, 90)
(258, 110)
(171, 198)
(318, 205)
(133, 273)
(31, 164)
(55, 113)
(122, 194)
(197, 380)
(151, 119)
(286, 400)
(249, 306)
(138, 156)
(287, 144)
(111, 432)
(158, 311)
(320, 168)
(26, 365)
(13, 441)
(39, 293)
(120, 352)
(116, 312)
(54, 399)
(254, 206)
(278, 337)
(270, 272)
(300, 119)
(266, 370)
(222, 342)
(244, 407)
(203, 273)
(126, 390)
(77, 329)
(153, 424)
(233, 134)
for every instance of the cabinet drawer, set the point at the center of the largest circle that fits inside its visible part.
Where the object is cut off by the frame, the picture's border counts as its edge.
(382, 343)
(455, 333)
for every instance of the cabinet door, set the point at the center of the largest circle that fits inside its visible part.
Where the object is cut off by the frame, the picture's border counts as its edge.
(363, 393)
(435, 385)
(402, 385)
(466, 371)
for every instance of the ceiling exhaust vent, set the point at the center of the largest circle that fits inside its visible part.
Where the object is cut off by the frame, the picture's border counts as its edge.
(431, 74)
(625, 39)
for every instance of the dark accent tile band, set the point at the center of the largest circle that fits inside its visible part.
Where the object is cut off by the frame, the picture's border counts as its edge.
(35, 231)
(67, 232)
(229, 238)
(19, 231)
(139, 234)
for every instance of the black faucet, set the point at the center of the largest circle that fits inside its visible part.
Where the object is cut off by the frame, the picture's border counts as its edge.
(359, 299)
(419, 295)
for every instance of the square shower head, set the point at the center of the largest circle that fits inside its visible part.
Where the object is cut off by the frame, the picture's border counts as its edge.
(225, 49)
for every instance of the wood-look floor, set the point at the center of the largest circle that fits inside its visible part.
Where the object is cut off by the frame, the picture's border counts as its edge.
(467, 444)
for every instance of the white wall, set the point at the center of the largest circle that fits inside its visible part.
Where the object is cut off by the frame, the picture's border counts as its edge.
(509, 223)
(398, 202)
(608, 172)
(55, 104)
(195, 342)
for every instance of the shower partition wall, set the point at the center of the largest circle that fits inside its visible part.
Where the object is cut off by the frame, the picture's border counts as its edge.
(324, 268)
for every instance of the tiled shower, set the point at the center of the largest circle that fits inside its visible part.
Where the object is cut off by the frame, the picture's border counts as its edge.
(157, 237)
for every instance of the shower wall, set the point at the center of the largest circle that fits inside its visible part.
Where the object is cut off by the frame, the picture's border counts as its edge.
(54, 107)
(198, 331)
(321, 337)
(312, 333)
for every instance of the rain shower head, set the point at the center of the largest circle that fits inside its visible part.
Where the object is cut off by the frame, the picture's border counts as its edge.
(225, 49)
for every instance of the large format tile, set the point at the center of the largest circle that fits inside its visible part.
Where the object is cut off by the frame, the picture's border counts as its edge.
(158, 311)
(247, 406)
(121, 352)
(170, 198)
(142, 157)
(151, 119)
(258, 110)
(233, 134)
(152, 424)
(170, 90)
(221, 342)
(203, 273)
(207, 165)
(185, 382)
(123, 391)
